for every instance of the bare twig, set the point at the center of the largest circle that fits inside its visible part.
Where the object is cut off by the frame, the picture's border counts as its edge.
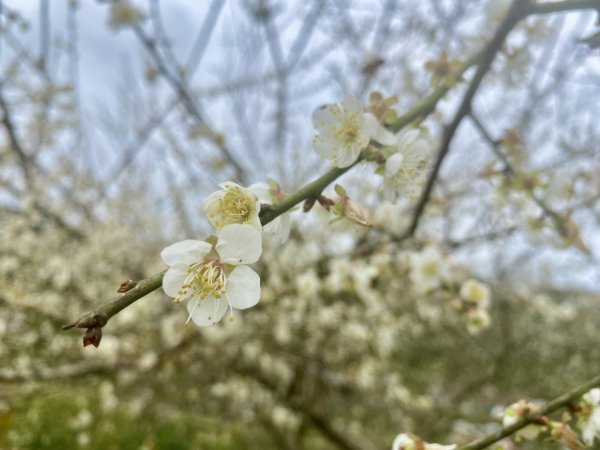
(516, 11)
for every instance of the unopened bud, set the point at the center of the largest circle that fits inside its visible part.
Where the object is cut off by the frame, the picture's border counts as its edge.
(92, 336)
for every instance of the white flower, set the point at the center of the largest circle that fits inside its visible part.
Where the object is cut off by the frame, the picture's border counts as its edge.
(477, 320)
(280, 226)
(345, 131)
(408, 442)
(475, 292)
(428, 270)
(232, 204)
(213, 277)
(518, 411)
(406, 170)
(589, 422)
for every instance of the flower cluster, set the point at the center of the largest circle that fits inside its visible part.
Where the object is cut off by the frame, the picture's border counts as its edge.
(212, 275)
(345, 131)
(411, 442)
(475, 301)
(589, 418)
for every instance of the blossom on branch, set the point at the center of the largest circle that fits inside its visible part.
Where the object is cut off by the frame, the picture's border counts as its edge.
(518, 411)
(344, 131)
(233, 204)
(405, 171)
(212, 275)
(269, 193)
(411, 442)
(589, 421)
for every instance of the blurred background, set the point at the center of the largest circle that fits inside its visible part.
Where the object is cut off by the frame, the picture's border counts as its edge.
(119, 118)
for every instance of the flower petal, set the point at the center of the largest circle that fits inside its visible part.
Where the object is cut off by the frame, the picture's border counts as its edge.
(393, 164)
(325, 117)
(262, 191)
(185, 252)
(406, 138)
(239, 244)
(376, 131)
(351, 104)
(347, 156)
(325, 146)
(243, 287)
(173, 280)
(206, 312)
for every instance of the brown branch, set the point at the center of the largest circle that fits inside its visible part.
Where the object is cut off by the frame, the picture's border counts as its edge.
(559, 223)
(516, 12)
(180, 87)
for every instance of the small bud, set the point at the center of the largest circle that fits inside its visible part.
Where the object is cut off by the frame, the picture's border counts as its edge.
(92, 336)
(325, 202)
(308, 204)
(566, 436)
(126, 286)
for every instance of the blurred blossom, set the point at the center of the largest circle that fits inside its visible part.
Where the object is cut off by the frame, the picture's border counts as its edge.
(429, 270)
(406, 169)
(410, 442)
(476, 292)
(344, 131)
(308, 284)
(478, 320)
(280, 226)
(589, 418)
(284, 418)
(82, 420)
(518, 411)
(124, 14)
(108, 399)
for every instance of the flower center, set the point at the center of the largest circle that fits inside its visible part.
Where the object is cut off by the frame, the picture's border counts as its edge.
(236, 207)
(349, 132)
(430, 268)
(204, 279)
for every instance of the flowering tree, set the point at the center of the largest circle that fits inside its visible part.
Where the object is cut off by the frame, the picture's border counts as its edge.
(428, 281)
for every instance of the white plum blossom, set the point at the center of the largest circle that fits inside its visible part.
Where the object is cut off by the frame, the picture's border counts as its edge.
(233, 204)
(405, 171)
(589, 421)
(345, 130)
(478, 319)
(518, 411)
(280, 226)
(475, 292)
(428, 270)
(213, 277)
(410, 442)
